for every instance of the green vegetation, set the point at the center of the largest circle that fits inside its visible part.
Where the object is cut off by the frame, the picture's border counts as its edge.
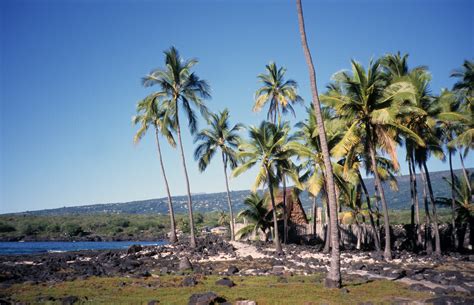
(264, 290)
(105, 226)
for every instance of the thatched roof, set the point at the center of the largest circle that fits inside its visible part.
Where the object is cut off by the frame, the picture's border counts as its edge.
(294, 208)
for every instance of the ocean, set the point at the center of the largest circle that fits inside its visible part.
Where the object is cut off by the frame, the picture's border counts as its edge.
(38, 247)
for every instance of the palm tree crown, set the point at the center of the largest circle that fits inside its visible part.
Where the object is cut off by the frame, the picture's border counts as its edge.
(219, 135)
(277, 91)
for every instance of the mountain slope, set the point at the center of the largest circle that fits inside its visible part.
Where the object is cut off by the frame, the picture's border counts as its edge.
(217, 201)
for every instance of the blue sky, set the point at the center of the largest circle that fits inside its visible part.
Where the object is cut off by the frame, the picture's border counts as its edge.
(70, 78)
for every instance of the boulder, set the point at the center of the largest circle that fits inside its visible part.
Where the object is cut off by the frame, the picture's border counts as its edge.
(207, 298)
(225, 282)
(232, 270)
(134, 249)
(185, 264)
(69, 300)
(189, 281)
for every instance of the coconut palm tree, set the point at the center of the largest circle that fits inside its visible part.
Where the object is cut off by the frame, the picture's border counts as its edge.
(463, 205)
(219, 136)
(150, 114)
(308, 148)
(278, 92)
(183, 89)
(396, 67)
(333, 278)
(464, 89)
(449, 126)
(423, 122)
(257, 214)
(267, 149)
(371, 104)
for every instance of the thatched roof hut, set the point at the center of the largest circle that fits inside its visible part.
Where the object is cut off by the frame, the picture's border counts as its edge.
(294, 208)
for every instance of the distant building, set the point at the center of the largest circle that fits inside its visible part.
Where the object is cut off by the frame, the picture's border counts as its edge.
(220, 230)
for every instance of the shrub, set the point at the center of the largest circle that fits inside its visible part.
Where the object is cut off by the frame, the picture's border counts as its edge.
(6, 228)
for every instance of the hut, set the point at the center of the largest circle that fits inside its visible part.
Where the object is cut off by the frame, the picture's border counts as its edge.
(297, 219)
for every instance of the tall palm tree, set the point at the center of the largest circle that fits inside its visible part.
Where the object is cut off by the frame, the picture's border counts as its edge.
(220, 135)
(464, 89)
(371, 104)
(185, 89)
(333, 278)
(278, 92)
(396, 67)
(256, 213)
(267, 149)
(309, 149)
(449, 126)
(150, 114)
(423, 122)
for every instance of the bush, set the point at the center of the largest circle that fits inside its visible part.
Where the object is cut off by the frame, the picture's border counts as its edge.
(6, 228)
(72, 229)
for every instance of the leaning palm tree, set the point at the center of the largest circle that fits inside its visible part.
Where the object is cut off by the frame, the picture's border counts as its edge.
(185, 89)
(219, 136)
(150, 114)
(334, 276)
(266, 148)
(256, 213)
(371, 104)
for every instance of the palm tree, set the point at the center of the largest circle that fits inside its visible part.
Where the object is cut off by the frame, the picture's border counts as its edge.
(372, 105)
(219, 136)
(464, 89)
(150, 114)
(463, 205)
(266, 148)
(276, 91)
(309, 149)
(449, 126)
(423, 122)
(185, 89)
(257, 214)
(333, 278)
(279, 93)
(396, 67)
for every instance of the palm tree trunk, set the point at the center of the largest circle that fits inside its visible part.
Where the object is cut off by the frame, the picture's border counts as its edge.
(453, 201)
(417, 205)
(192, 242)
(229, 202)
(327, 237)
(428, 241)
(435, 214)
(173, 237)
(371, 216)
(333, 278)
(276, 238)
(465, 172)
(388, 251)
(315, 215)
(285, 212)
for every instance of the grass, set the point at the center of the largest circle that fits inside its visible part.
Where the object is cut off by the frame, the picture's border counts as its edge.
(263, 289)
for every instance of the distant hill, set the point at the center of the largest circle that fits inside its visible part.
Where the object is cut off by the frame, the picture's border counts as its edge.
(203, 202)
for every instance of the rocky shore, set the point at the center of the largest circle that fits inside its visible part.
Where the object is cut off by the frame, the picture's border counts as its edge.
(448, 277)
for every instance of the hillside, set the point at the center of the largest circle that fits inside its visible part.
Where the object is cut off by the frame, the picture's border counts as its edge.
(217, 201)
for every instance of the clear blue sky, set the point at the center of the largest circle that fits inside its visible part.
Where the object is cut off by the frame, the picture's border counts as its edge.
(70, 79)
